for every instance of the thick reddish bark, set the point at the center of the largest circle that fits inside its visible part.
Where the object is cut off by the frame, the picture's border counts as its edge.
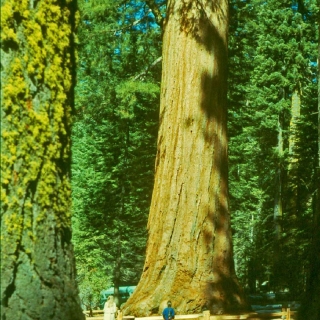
(189, 255)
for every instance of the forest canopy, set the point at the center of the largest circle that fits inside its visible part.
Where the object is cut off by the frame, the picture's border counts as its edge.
(273, 140)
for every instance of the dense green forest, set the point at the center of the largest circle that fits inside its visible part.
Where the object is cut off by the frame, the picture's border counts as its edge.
(273, 140)
(114, 141)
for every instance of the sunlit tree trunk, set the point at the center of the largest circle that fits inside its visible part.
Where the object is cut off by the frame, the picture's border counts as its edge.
(292, 182)
(37, 76)
(295, 116)
(278, 212)
(278, 205)
(189, 256)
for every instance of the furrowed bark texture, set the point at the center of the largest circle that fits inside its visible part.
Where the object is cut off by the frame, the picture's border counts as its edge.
(37, 66)
(189, 255)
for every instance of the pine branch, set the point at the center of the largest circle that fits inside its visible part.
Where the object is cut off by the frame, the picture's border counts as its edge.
(134, 23)
(147, 69)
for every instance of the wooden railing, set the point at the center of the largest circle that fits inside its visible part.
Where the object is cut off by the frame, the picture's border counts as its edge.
(286, 314)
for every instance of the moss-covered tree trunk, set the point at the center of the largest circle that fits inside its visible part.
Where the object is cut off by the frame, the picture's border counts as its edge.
(189, 255)
(37, 76)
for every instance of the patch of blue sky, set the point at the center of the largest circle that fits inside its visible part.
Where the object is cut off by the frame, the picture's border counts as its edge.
(142, 13)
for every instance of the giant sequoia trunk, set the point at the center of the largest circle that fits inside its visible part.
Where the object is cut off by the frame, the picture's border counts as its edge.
(189, 255)
(37, 63)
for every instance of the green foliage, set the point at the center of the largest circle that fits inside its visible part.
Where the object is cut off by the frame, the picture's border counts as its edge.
(272, 54)
(114, 141)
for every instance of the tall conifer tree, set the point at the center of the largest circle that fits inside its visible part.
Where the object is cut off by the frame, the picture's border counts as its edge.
(189, 251)
(278, 51)
(311, 307)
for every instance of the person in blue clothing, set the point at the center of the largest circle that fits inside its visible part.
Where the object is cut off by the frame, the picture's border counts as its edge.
(168, 312)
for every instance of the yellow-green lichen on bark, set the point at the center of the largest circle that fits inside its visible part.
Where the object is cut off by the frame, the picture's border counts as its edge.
(34, 120)
(38, 62)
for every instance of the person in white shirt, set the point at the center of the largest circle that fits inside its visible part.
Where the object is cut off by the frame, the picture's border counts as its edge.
(110, 309)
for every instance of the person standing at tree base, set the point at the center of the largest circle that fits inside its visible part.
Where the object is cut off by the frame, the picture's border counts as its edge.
(168, 312)
(109, 309)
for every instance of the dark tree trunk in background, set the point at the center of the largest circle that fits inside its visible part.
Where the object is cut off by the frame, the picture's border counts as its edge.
(38, 64)
(189, 255)
(310, 308)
